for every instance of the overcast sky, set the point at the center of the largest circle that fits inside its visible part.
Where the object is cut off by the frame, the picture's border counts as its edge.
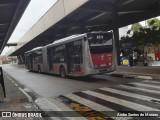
(35, 10)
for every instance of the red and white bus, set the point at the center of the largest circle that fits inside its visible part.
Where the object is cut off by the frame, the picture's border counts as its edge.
(77, 55)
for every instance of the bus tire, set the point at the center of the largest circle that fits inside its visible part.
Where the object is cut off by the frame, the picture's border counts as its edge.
(62, 72)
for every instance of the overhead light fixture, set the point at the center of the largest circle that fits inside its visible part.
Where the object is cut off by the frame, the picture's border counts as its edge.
(98, 16)
(127, 2)
(73, 28)
(120, 13)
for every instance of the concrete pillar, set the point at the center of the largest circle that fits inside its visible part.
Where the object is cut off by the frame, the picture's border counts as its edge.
(116, 48)
(21, 59)
(18, 57)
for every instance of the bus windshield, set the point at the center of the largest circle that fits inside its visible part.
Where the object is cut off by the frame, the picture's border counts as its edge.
(100, 43)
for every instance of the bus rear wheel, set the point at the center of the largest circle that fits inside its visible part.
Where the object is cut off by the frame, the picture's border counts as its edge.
(62, 72)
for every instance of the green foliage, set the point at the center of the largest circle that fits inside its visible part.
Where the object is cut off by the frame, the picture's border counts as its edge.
(153, 23)
(136, 27)
(145, 35)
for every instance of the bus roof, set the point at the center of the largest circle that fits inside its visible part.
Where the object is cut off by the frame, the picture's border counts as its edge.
(73, 37)
(66, 39)
(34, 49)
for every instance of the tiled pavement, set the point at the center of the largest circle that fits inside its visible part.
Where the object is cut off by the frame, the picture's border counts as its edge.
(15, 100)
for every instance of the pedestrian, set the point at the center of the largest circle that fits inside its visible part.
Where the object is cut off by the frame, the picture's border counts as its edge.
(135, 56)
(121, 53)
(145, 59)
(121, 56)
(131, 59)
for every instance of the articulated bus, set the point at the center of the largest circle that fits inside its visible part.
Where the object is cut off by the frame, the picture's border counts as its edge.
(77, 55)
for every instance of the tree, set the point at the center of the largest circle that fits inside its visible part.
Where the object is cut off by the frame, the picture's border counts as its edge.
(153, 23)
(136, 27)
(145, 35)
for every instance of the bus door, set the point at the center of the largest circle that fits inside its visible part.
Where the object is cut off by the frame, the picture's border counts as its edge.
(70, 58)
(78, 57)
(30, 61)
(50, 55)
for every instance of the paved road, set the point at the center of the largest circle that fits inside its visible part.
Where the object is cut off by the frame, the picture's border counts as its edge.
(133, 101)
(49, 85)
(98, 95)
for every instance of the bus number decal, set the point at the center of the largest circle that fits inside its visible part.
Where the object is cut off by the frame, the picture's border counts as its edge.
(99, 36)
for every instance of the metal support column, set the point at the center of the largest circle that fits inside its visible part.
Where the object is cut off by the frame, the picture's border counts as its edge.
(116, 48)
(2, 81)
(82, 29)
(18, 57)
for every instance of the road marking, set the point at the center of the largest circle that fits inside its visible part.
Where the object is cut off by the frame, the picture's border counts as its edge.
(151, 81)
(88, 103)
(145, 85)
(27, 95)
(93, 105)
(142, 89)
(84, 110)
(133, 95)
(16, 84)
(131, 105)
(51, 104)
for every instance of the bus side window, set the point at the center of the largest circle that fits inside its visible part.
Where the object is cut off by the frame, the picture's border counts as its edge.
(38, 57)
(59, 53)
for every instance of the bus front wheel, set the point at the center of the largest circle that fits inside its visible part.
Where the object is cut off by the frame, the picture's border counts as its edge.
(62, 72)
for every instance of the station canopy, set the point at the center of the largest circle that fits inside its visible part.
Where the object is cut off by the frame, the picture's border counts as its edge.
(92, 15)
(10, 14)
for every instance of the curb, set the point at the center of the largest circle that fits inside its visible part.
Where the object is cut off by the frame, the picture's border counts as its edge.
(51, 104)
(28, 97)
(144, 77)
(116, 75)
(132, 76)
